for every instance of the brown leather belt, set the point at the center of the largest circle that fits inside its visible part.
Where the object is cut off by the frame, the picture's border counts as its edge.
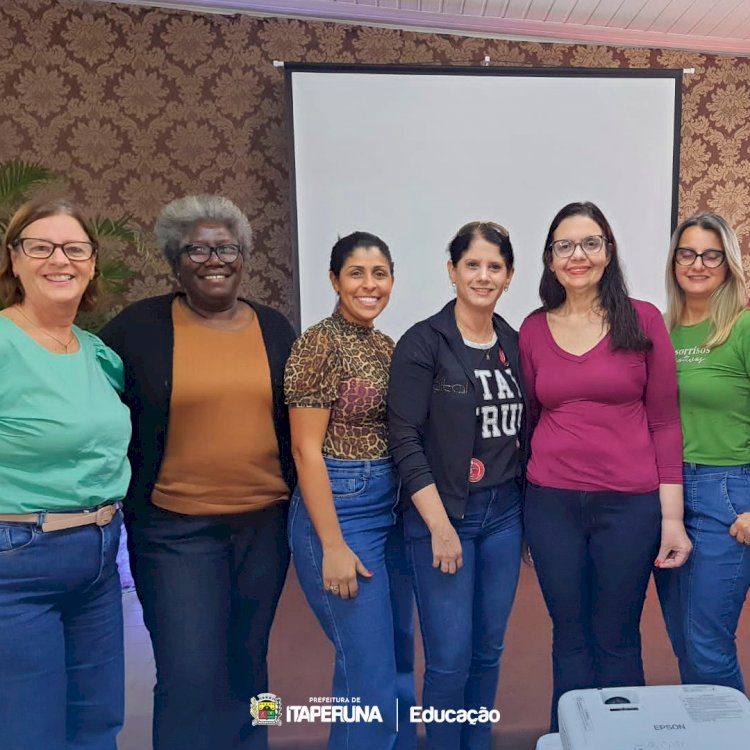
(52, 521)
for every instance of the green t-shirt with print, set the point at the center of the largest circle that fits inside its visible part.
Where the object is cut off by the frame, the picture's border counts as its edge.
(714, 394)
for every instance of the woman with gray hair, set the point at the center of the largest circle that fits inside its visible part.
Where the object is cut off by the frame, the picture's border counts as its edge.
(212, 468)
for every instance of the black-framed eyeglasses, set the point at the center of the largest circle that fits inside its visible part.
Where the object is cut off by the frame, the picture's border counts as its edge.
(43, 249)
(590, 245)
(686, 256)
(201, 253)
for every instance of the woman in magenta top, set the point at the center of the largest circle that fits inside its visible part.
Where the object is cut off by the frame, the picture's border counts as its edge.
(604, 498)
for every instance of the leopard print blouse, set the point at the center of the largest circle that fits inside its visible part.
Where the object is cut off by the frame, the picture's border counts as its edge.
(343, 367)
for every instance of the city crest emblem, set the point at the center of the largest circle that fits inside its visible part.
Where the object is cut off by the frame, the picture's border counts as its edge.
(266, 710)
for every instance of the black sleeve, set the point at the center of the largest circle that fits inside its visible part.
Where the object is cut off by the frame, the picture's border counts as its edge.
(279, 335)
(409, 397)
(111, 334)
(115, 335)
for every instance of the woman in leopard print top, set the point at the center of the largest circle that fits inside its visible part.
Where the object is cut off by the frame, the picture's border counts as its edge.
(347, 543)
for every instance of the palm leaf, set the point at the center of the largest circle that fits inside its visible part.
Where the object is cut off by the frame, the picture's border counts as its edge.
(121, 229)
(115, 275)
(18, 178)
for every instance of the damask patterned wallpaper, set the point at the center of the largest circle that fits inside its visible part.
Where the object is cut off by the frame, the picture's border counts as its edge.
(137, 106)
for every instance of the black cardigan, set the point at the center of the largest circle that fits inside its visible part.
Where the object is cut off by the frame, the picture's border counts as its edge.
(143, 335)
(432, 407)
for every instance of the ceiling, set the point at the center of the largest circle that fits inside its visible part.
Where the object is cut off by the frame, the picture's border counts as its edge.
(717, 26)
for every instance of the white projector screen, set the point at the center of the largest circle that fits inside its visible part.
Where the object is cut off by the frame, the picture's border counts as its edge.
(412, 154)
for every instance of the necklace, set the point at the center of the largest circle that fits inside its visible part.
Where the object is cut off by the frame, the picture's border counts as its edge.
(463, 330)
(47, 333)
(484, 349)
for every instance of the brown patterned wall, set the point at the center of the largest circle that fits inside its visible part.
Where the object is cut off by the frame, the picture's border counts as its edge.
(137, 106)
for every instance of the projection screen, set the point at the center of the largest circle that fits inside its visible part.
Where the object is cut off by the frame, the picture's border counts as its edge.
(411, 154)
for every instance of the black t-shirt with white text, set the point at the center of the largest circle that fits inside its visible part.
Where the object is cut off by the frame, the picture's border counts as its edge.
(499, 410)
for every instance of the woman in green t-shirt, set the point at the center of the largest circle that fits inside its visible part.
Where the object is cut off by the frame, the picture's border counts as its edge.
(710, 328)
(63, 469)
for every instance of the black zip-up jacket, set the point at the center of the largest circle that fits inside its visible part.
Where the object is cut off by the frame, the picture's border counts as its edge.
(143, 335)
(432, 407)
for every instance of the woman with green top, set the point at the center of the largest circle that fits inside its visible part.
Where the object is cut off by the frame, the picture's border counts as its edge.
(63, 468)
(710, 330)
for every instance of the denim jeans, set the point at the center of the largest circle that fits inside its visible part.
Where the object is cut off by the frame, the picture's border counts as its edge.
(702, 601)
(593, 553)
(209, 586)
(373, 633)
(463, 616)
(61, 638)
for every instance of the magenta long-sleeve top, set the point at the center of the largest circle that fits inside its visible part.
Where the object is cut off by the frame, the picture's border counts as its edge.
(603, 420)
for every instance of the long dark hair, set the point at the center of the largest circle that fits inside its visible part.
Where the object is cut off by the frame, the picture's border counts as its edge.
(624, 326)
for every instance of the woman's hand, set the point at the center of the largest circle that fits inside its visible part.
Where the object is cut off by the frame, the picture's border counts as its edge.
(675, 545)
(740, 529)
(340, 564)
(340, 569)
(446, 548)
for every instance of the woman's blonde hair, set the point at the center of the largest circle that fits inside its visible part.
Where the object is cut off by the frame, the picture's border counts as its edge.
(729, 300)
(11, 291)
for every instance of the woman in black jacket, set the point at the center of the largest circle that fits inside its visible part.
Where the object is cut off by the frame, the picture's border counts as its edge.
(212, 471)
(455, 407)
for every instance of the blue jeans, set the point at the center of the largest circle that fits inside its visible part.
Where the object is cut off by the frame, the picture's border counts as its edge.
(463, 616)
(593, 553)
(702, 601)
(61, 649)
(209, 586)
(373, 633)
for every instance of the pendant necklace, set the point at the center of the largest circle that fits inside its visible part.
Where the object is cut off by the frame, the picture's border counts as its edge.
(484, 348)
(46, 332)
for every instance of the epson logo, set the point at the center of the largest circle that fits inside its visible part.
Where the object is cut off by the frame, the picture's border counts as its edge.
(669, 727)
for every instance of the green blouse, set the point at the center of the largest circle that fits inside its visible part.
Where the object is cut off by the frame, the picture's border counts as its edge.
(64, 432)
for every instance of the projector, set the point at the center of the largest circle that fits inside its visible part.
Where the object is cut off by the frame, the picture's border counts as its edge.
(549, 742)
(670, 717)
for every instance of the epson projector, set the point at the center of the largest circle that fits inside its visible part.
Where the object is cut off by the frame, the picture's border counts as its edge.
(671, 717)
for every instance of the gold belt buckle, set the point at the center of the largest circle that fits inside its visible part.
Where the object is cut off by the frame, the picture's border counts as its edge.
(105, 515)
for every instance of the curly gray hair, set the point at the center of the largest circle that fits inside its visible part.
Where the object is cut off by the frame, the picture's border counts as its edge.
(180, 215)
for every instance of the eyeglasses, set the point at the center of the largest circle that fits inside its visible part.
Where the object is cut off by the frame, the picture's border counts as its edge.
(590, 245)
(42, 249)
(686, 256)
(201, 253)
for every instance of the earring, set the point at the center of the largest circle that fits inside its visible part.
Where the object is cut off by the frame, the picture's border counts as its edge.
(453, 284)
(507, 286)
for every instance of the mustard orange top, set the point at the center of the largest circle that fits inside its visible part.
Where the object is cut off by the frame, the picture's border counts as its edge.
(221, 454)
